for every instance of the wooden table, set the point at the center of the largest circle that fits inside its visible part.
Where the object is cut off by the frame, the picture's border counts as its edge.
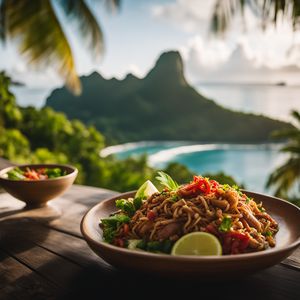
(43, 256)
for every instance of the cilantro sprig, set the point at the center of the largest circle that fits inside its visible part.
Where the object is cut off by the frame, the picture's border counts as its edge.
(167, 181)
(225, 224)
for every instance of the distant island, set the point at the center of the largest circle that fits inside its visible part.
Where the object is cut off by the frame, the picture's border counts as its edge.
(160, 106)
(281, 83)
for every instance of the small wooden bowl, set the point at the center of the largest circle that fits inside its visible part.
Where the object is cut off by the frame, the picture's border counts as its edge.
(36, 193)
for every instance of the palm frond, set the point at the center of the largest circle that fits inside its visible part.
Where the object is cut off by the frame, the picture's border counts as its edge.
(2, 21)
(89, 27)
(296, 115)
(285, 176)
(267, 10)
(113, 5)
(223, 14)
(41, 38)
(287, 133)
(293, 149)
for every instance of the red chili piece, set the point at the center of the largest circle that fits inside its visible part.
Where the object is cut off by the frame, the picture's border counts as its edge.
(151, 215)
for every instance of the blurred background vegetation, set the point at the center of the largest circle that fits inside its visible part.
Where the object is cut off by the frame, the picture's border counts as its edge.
(29, 135)
(43, 135)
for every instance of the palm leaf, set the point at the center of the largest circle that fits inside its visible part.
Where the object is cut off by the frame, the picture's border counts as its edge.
(113, 5)
(88, 25)
(296, 115)
(293, 149)
(267, 10)
(285, 176)
(289, 133)
(2, 21)
(41, 38)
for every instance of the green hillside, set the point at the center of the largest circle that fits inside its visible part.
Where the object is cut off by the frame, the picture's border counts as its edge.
(161, 106)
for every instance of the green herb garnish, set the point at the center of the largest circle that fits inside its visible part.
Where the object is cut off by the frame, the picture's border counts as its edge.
(110, 226)
(126, 206)
(175, 198)
(55, 172)
(155, 246)
(15, 174)
(268, 233)
(225, 225)
(167, 181)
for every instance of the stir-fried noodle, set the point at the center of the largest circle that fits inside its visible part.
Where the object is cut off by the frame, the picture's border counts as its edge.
(240, 224)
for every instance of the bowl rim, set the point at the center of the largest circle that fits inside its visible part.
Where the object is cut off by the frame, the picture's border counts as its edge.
(7, 169)
(183, 258)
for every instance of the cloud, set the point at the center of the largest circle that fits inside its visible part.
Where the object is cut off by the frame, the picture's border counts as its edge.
(276, 47)
(189, 15)
(240, 67)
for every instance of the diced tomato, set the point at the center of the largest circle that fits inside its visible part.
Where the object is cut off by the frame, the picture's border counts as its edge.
(126, 228)
(151, 215)
(235, 242)
(31, 174)
(119, 242)
(211, 229)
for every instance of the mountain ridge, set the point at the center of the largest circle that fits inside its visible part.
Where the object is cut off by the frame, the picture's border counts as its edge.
(160, 106)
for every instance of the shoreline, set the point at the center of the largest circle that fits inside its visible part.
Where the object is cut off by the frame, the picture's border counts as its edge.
(186, 146)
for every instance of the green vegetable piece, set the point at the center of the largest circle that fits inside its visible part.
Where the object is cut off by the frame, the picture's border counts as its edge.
(55, 172)
(109, 234)
(248, 199)
(132, 244)
(154, 246)
(142, 244)
(115, 220)
(175, 198)
(111, 224)
(126, 206)
(167, 246)
(137, 202)
(167, 181)
(225, 225)
(16, 174)
(268, 233)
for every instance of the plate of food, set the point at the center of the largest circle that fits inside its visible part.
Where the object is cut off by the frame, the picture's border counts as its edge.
(201, 228)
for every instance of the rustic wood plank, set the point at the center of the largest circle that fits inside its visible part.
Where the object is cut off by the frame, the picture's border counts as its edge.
(19, 282)
(72, 248)
(42, 261)
(293, 260)
(65, 212)
(4, 163)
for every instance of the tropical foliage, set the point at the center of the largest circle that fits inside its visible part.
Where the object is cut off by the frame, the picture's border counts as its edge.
(266, 11)
(36, 26)
(286, 178)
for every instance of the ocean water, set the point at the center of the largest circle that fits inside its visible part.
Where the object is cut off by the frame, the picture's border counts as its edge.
(269, 100)
(248, 164)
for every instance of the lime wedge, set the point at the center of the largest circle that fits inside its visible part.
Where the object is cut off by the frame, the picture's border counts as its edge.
(146, 190)
(197, 243)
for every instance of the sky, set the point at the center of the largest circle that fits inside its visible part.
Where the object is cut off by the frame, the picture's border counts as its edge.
(136, 35)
